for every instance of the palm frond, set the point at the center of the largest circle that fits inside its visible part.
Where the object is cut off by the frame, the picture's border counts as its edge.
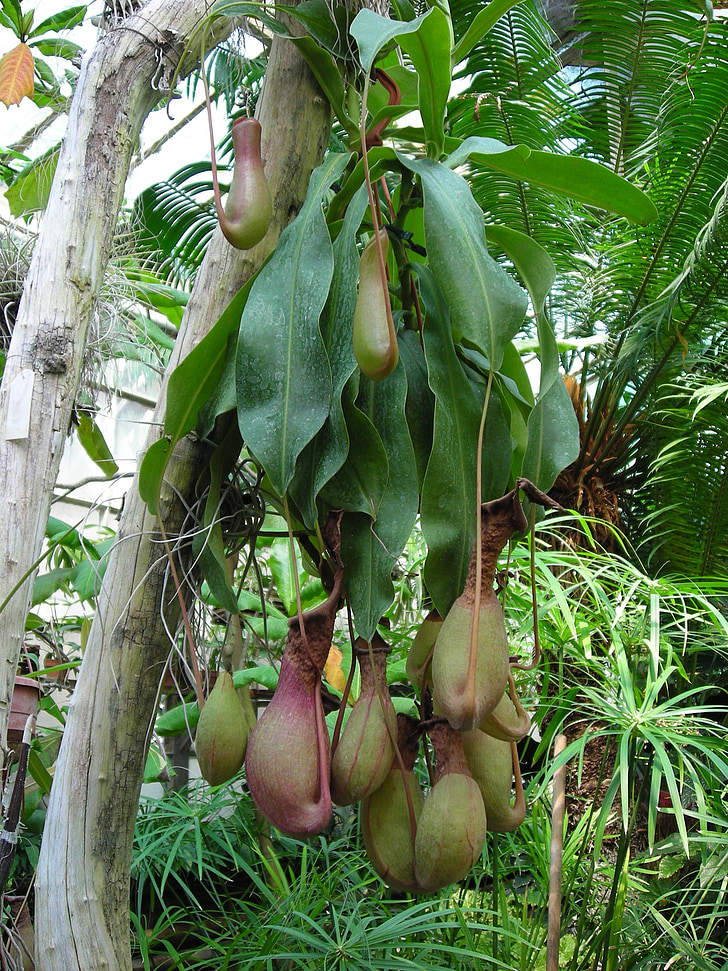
(176, 219)
(630, 52)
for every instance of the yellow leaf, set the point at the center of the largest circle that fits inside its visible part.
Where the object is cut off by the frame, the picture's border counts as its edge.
(332, 669)
(16, 75)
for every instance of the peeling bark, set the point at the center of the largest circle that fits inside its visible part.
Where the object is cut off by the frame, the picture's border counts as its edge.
(82, 893)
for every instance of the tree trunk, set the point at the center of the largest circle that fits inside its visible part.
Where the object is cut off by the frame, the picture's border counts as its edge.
(82, 892)
(45, 357)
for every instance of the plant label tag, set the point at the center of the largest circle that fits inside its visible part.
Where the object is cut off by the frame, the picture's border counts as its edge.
(20, 400)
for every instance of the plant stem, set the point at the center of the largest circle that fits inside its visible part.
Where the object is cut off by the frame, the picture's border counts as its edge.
(555, 866)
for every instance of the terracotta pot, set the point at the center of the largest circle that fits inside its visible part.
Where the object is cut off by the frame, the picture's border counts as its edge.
(24, 702)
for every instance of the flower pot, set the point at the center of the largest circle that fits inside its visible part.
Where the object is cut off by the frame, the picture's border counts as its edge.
(24, 703)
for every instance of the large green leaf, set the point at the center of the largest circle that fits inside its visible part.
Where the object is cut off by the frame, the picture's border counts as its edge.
(420, 405)
(31, 188)
(553, 436)
(283, 377)
(486, 305)
(497, 450)
(372, 33)
(63, 20)
(88, 575)
(448, 492)
(429, 50)
(570, 175)
(361, 481)
(533, 264)
(380, 159)
(370, 549)
(326, 453)
(427, 41)
(553, 430)
(190, 385)
(46, 584)
(223, 398)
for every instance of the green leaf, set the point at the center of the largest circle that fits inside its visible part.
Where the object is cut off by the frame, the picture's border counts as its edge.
(404, 9)
(283, 377)
(265, 675)
(46, 584)
(319, 20)
(481, 148)
(578, 178)
(322, 458)
(553, 430)
(486, 305)
(155, 764)
(94, 444)
(30, 190)
(59, 533)
(58, 47)
(13, 17)
(420, 405)
(448, 492)
(360, 483)
(482, 22)
(38, 772)
(207, 544)
(224, 398)
(282, 571)
(63, 20)
(497, 450)
(533, 264)
(373, 32)
(427, 40)
(87, 577)
(190, 385)
(152, 470)
(149, 332)
(370, 549)
(429, 50)
(327, 74)
(553, 436)
(234, 8)
(380, 161)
